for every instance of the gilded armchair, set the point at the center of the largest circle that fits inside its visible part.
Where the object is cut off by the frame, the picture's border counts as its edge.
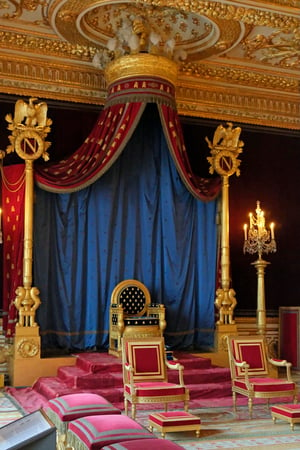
(250, 371)
(145, 375)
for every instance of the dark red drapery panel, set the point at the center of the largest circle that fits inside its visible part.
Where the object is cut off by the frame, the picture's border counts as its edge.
(202, 188)
(101, 148)
(13, 197)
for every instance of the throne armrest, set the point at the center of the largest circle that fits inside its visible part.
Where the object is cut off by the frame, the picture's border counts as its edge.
(117, 316)
(245, 366)
(282, 363)
(158, 310)
(173, 365)
(128, 372)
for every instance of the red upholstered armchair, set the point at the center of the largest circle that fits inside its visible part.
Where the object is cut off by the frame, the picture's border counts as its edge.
(250, 371)
(145, 375)
(132, 314)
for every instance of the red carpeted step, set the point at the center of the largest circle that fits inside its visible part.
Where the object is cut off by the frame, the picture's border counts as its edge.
(194, 376)
(69, 374)
(51, 387)
(210, 390)
(102, 373)
(98, 362)
(114, 396)
(76, 377)
(192, 362)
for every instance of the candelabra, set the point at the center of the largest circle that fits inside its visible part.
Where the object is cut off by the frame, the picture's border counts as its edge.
(259, 240)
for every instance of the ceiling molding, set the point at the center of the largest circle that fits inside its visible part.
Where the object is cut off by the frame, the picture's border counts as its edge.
(243, 61)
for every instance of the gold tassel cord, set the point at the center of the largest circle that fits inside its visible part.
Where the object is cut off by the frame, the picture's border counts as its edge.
(12, 186)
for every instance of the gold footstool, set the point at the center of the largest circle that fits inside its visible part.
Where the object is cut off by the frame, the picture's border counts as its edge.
(291, 413)
(167, 422)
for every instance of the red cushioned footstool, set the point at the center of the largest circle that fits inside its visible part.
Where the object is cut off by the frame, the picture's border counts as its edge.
(291, 413)
(94, 432)
(174, 421)
(145, 444)
(61, 410)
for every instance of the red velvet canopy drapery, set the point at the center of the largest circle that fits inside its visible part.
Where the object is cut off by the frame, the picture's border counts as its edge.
(125, 104)
(126, 101)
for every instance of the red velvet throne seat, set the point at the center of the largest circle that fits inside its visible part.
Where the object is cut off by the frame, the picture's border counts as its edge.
(132, 314)
(250, 371)
(145, 375)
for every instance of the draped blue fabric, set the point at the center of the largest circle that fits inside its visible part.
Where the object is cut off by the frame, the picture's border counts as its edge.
(137, 221)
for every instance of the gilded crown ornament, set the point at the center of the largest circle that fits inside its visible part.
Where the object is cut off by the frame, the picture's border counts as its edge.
(136, 50)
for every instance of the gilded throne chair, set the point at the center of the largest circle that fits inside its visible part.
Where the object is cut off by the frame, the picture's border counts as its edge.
(132, 314)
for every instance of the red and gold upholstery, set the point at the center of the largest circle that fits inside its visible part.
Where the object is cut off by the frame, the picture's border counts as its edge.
(132, 314)
(291, 413)
(145, 374)
(145, 444)
(64, 409)
(172, 421)
(95, 432)
(250, 371)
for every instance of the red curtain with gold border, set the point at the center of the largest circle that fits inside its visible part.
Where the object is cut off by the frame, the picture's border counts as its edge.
(13, 197)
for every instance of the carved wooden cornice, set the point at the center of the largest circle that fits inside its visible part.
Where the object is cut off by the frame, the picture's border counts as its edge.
(237, 72)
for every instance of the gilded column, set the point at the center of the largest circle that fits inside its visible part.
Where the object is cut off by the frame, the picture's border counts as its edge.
(29, 127)
(225, 149)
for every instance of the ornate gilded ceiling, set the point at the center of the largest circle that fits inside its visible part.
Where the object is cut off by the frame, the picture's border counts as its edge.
(237, 60)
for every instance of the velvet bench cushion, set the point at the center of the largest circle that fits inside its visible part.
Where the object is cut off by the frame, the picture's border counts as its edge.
(291, 413)
(174, 421)
(94, 432)
(144, 444)
(61, 410)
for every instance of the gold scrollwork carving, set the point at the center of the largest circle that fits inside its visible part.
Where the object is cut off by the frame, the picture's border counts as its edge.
(250, 16)
(27, 348)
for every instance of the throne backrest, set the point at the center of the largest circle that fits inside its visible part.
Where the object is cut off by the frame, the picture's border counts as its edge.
(133, 296)
(253, 351)
(147, 358)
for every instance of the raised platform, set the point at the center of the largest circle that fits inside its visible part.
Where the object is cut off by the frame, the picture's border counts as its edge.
(101, 373)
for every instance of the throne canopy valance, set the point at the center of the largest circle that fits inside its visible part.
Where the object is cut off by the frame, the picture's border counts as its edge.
(133, 81)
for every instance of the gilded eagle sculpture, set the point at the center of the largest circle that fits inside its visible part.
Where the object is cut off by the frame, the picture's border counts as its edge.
(227, 137)
(29, 127)
(34, 114)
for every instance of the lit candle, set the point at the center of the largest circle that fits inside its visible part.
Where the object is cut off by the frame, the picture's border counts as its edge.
(251, 220)
(272, 226)
(245, 231)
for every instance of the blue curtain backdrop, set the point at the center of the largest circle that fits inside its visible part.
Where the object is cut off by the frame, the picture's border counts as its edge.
(137, 221)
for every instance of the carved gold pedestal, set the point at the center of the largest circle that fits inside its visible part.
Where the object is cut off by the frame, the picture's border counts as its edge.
(221, 333)
(25, 357)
